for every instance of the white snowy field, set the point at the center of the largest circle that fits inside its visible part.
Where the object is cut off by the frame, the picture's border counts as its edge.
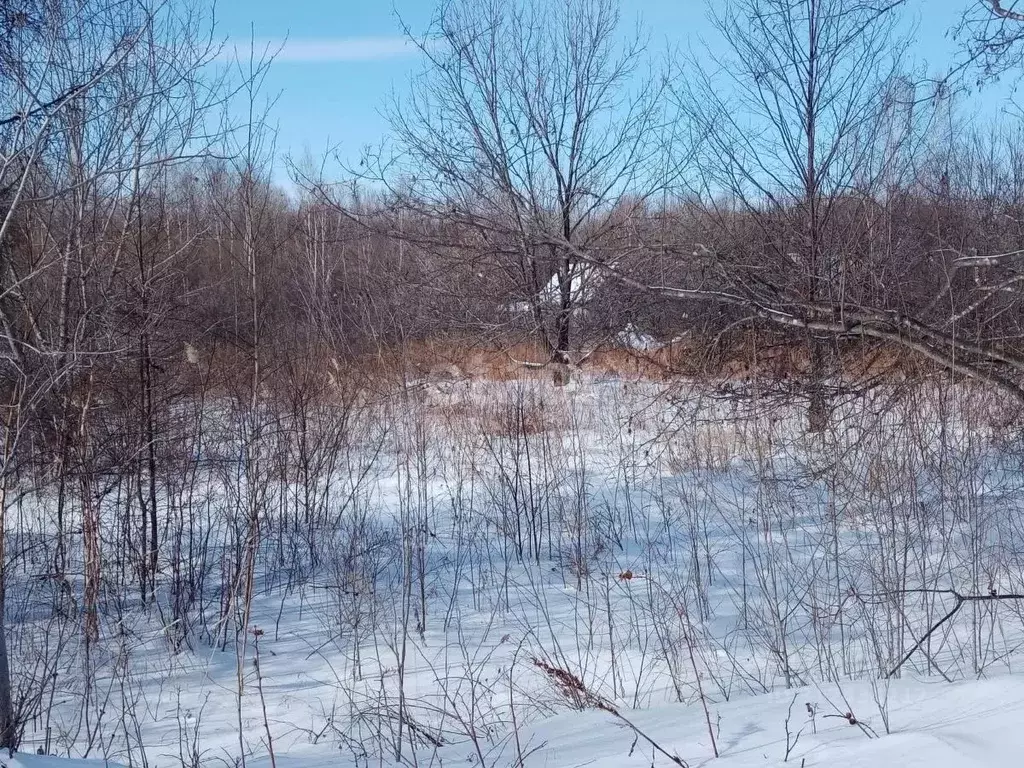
(412, 582)
(974, 724)
(933, 725)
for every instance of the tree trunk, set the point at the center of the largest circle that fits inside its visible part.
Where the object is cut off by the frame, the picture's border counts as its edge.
(819, 407)
(8, 731)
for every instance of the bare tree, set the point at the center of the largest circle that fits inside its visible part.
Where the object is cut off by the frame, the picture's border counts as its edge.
(530, 124)
(806, 155)
(786, 126)
(992, 33)
(101, 98)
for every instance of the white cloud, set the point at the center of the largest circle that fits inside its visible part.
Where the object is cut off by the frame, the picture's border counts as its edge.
(300, 50)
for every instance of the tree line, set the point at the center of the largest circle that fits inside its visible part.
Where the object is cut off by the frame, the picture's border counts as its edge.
(543, 181)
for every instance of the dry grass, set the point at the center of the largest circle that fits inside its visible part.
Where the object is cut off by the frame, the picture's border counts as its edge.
(390, 369)
(747, 357)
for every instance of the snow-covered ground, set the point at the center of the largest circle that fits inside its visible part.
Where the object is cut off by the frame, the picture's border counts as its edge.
(932, 724)
(974, 724)
(696, 566)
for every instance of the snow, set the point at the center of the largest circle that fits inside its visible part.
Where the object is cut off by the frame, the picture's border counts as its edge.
(689, 548)
(585, 281)
(633, 338)
(973, 724)
(933, 725)
(19, 760)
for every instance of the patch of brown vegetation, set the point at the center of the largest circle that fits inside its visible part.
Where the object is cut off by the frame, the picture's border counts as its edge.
(740, 358)
(743, 358)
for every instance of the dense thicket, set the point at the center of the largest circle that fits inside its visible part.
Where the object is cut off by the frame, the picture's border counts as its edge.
(540, 190)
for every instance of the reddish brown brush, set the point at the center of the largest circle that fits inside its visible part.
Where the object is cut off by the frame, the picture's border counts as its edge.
(574, 690)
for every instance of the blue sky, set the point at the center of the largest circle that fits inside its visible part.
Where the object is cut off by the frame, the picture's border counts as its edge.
(343, 57)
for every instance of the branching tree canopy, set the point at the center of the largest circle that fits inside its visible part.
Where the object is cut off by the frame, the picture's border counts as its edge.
(529, 127)
(99, 99)
(993, 36)
(812, 146)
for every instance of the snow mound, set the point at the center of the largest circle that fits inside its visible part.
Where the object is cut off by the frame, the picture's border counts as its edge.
(46, 761)
(932, 725)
